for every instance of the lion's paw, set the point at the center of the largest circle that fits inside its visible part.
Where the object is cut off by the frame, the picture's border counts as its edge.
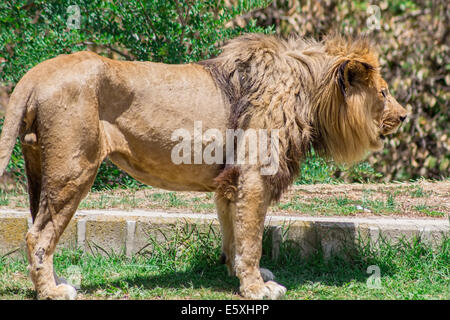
(269, 290)
(60, 292)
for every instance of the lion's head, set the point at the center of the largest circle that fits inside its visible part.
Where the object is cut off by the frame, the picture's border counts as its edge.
(329, 95)
(358, 111)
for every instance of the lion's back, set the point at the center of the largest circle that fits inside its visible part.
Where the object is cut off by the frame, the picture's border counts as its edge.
(65, 75)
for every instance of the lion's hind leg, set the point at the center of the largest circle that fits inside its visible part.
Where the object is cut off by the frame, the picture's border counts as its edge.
(58, 202)
(32, 157)
(69, 160)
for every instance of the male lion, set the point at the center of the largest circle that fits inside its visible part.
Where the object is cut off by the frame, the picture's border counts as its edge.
(74, 110)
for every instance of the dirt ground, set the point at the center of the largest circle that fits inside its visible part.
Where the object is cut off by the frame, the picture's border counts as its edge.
(420, 199)
(402, 199)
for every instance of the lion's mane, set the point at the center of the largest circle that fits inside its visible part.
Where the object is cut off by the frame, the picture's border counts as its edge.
(298, 87)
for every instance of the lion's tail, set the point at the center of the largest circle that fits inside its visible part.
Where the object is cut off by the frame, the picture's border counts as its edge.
(15, 114)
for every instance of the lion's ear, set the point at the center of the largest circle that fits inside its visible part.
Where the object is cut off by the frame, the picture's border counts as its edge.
(351, 72)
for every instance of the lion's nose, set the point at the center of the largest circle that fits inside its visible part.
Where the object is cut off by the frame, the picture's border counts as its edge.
(402, 118)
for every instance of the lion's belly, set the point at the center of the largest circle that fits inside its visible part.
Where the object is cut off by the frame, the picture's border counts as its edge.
(144, 105)
(149, 157)
(139, 124)
(166, 175)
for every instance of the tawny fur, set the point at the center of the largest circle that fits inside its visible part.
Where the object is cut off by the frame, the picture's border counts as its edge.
(74, 110)
(300, 87)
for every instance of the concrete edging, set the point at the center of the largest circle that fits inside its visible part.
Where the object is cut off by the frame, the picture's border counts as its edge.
(128, 231)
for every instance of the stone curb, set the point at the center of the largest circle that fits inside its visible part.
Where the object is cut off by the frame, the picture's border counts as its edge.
(106, 231)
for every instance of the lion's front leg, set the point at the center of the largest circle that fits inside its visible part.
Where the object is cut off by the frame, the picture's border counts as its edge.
(226, 211)
(251, 207)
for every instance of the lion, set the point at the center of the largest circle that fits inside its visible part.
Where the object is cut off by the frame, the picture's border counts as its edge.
(73, 111)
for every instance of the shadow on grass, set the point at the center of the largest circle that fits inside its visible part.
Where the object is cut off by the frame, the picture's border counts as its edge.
(333, 272)
(21, 293)
(292, 270)
(215, 279)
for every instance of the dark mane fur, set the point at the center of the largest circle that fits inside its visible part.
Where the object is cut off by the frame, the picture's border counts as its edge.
(281, 84)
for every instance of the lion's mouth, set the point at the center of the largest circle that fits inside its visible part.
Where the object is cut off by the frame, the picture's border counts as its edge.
(386, 131)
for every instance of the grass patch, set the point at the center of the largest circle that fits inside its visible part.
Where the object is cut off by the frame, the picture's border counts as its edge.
(186, 265)
(4, 199)
(341, 205)
(381, 206)
(428, 210)
(410, 200)
(169, 199)
(418, 192)
(105, 201)
(317, 206)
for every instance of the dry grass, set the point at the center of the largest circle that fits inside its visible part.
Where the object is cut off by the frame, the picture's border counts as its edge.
(420, 199)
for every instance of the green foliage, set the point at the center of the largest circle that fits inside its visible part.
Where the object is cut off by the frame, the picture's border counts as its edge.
(163, 31)
(111, 177)
(315, 169)
(362, 172)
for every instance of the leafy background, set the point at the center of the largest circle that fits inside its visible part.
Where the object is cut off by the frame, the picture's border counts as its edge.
(412, 40)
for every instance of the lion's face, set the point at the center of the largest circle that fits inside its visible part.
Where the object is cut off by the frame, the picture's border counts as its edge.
(372, 112)
(393, 113)
(383, 110)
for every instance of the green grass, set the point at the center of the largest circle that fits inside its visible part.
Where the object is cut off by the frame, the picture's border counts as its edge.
(428, 210)
(4, 198)
(337, 205)
(342, 206)
(381, 206)
(170, 199)
(418, 192)
(185, 266)
(107, 201)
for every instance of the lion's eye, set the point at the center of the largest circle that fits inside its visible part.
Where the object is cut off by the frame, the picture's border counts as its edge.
(383, 92)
